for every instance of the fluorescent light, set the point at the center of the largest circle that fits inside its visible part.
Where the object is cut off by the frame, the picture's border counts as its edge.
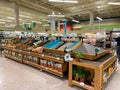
(12, 25)
(2, 22)
(76, 21)
(99, 18)
(56, 15)
(114, 3)
(83, 6)
(65, 1)
(46, 25)
(26, 23)
(25, 16)
(11, 18)
(37, 22)
(46, 20)
(98, 7)
(5, 20)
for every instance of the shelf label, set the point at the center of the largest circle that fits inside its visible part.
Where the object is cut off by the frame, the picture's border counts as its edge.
(82, 84)
(46, 68)
(27, 61)
(43, 55)
(58, 58)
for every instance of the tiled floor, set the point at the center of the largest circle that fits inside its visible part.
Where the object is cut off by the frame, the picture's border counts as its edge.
(16, 76)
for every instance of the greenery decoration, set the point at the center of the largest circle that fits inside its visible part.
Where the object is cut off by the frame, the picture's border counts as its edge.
(79, 54)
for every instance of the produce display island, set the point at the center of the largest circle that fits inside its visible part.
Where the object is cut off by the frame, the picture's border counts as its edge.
(95, 67)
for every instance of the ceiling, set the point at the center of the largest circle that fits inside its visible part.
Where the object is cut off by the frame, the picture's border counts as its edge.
(38, 10)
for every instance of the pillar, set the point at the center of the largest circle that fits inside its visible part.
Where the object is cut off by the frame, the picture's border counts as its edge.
(52, 20)
(91, 21)
(16, 7)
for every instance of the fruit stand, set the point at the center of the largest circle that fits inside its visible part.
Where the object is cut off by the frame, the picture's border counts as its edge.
(99, 72)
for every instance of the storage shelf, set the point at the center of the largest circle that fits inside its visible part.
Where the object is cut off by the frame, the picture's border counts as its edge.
(49, 58)
(104, 81)
(85, 85)
(14, 58)
(54, 59)
(43, 68)
(51, 71)
(40, 57)
(96, 68)
(31, 63)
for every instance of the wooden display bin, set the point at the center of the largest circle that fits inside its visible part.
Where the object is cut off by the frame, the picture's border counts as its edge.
(89, 53)
(98, 68)
(28, 58)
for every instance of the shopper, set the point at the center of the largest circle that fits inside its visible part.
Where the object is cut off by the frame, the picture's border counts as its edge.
(118, 48)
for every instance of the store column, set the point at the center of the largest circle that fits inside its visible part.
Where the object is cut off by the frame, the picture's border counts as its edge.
(91, 21)
(52, 19)
(16, 6)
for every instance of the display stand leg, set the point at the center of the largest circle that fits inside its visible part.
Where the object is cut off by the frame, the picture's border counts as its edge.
(98, 78)
(70, 73)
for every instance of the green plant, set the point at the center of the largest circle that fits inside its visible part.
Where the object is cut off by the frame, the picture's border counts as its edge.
(87, 73)
(79, 54)
(74, 71)
(83, 73)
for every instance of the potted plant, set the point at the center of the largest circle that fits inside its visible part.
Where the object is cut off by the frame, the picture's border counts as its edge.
(78, 56)
(75, 74)
(83, 75)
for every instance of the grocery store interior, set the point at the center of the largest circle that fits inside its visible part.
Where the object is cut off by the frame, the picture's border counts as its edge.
(59, 44)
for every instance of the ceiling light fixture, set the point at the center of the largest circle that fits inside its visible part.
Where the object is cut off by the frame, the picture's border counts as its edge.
(5, 20)
(75, 21)
(46, 20)
(2, 22)
(56, 15)
(98, 6)
(46, 25)
(99, 18)
(83, 6)
(37, 22)
(114, 3)
(65, 1)
(11, 18)
(25, 16)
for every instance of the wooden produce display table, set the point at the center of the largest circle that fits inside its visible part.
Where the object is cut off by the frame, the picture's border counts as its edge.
(43, 61)
(97, 69)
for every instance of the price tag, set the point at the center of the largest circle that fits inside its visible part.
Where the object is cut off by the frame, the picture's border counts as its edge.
(46, 68)
(58, 58)
(27, 61)
(43, 55)
(82, 84)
